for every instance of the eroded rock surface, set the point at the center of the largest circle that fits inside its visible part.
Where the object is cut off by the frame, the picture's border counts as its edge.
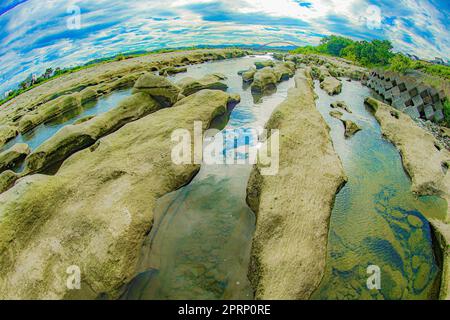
(7, 180)
(94, 213)
(427, 165)
(351, 128)
(293, 207)
(264, 64)
(7, 133)
(159, 88)
(264, 79)
(247, 76)
(336, 114)
(331, 85)
(13, 156)
(422, 157)
(190, 85)
(103, 79)
(341, 105)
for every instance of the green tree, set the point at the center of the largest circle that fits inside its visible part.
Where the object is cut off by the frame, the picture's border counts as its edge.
(400, 63)
(335, 44)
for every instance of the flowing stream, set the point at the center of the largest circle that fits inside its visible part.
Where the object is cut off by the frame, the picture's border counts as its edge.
(199, 247)
(200, 244)
(376, 220)
(34, 138)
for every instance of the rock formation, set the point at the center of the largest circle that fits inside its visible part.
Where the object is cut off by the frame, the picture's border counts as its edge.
(159, 88)
(293, 207)
(336, 114)
(264, 64)
(351, 128)
(427, 165)
(264, 79)
(94, 213)
(341, 105)
(212, 81)
(331, 85)
(13, 156)
(7, 133)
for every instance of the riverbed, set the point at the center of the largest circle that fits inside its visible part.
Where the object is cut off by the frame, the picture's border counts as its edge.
(199, 247)
(37, 136)
(376, 220)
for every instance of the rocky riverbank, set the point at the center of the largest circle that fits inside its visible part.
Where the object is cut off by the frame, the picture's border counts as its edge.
(96, 210)
(293, 207)
(70, 91)
(427, 163)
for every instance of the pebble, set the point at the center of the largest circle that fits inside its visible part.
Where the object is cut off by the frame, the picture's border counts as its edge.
(434, 129)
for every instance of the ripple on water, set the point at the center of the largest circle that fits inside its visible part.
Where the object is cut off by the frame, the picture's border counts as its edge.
(376, 219)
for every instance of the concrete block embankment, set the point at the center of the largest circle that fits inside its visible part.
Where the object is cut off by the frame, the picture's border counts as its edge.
(408, 95)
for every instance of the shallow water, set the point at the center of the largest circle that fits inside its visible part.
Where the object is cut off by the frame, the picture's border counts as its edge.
(34, 138)
(376, 219)
(199, 247)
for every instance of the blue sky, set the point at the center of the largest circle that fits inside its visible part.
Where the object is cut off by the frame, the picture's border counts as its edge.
(34, 34)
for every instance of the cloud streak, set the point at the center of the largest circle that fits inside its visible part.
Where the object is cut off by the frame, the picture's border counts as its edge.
(34, 33)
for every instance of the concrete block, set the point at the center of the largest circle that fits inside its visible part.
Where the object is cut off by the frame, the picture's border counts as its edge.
(429, 112)
(438, 116)
(395, 91)
(413, 92)
(398, 103)
(427, 99)
(412, 112)
(417, 100)
(438, 106)
(402, 87)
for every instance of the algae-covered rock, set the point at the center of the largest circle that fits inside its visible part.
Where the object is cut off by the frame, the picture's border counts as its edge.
(172, 70)
(95, 212)
(7, 180)
(351, 128)
(7, 133)
(73, 138)
(161, 89)
(293, 206)
(341, 105)
(13, 156)
(248, 75)
(336, 114)
(279, 56)
(264, 64)
(423, 162)
(213, 81)
(284, 70)
(84, 119)
(104, 78)
(331, 86)
(56, 108)
(421, 158)
(264, 79)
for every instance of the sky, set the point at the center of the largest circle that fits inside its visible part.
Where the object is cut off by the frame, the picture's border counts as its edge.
(37, 34)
